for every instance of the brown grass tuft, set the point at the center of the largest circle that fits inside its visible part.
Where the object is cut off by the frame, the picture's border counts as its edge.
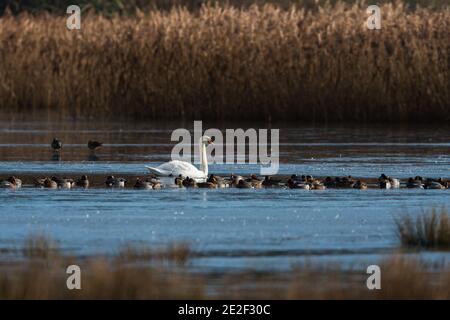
(40, 246)
(431, 229)
(178, 253)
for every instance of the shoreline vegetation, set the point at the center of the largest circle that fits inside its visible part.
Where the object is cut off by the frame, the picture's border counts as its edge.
(431, 229)
(225, 62)
(137, 272)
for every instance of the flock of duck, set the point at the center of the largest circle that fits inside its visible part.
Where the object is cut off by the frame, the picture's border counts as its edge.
(306, 182)
(188, 176)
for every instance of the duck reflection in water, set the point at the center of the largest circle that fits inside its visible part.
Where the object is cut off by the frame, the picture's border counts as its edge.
(94, 145)
(56, 156)
(93, 157)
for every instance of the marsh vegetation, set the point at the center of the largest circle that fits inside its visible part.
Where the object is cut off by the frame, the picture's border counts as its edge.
(255, 62)
(138, 273)
(431, 229)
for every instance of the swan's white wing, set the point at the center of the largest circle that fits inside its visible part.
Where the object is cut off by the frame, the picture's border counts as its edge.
(158, 172)
(177, 167)
(184, 168)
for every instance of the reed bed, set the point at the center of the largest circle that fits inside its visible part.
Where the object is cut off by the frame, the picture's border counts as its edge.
(127, 7)
(228, 63)
(431, 229)
(133, 274)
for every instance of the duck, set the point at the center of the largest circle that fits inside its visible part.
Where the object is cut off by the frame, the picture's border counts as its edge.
(63, 182)
(270, 183)
(312, 181)
(234, 179)
(292, 184)
(316, 185)
(39, 182)
(414, 184)
(56, 144)
(359, 185)
(153, 179)
(46, 183)
(394, 183)
(179, 181)
(303, 179)
(141, 184)
(243, 184)
(94, 145)
(49, 184)
(433, 185)
(296, 178)
(329, 182)
(385, 184)
(219, 181)
(344, 182)
(113, 182)
(189, 183)
(15, 181)
(156, 185)
(443, 182)
(207, 185)
(5, 184)
(155, 182)
(83, 182)
(255, 181)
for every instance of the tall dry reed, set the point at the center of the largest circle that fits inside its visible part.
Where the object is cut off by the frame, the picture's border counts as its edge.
(221, 62)
(431, 229)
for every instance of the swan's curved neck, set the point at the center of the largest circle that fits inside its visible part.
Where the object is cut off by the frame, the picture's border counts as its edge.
(203, 158)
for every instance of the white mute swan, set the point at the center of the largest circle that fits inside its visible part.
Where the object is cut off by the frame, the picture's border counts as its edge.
(175, 168)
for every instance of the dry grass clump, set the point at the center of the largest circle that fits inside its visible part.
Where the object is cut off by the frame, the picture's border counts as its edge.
(401, 278)
(100, 279)
(178, 253)
(40, 246)
(135, 273)
(221, 62)
(430, 229)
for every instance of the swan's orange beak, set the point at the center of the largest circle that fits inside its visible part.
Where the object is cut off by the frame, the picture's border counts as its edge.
(211, 141)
